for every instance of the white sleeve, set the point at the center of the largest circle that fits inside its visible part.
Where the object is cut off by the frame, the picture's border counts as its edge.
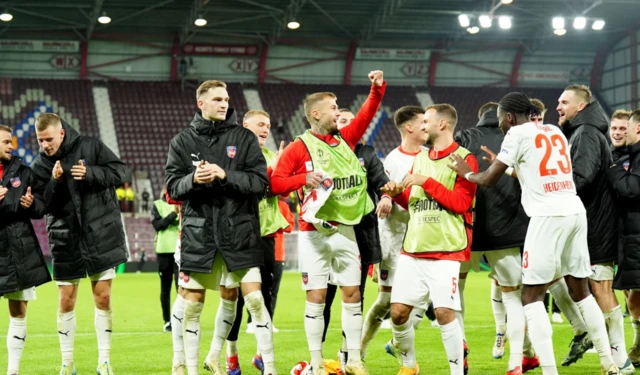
(510, 149)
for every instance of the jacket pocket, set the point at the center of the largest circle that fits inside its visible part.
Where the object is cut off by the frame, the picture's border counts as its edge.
(243, 232)
(104, 236)
(193, 235)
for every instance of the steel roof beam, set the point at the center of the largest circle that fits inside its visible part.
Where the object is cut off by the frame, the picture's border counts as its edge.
(387, 10)
(97, 9)
(290, 14)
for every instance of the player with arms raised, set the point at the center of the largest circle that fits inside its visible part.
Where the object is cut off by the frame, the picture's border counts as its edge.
(556, 242)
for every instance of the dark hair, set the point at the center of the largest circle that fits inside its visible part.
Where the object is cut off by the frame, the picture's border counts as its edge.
(519, 104)
(635, 116)
(406, 114)
(486, 108)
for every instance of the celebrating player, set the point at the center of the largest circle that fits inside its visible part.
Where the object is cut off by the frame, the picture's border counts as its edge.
(322, 163)
(76, 179)
(556, 241)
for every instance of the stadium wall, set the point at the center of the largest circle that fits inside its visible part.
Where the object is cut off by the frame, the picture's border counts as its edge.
(620, 87)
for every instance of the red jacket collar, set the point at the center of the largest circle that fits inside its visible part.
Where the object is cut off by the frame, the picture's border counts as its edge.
(436, 155)
(328, 139)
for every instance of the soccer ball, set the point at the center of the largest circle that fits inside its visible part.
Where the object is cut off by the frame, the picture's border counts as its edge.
(301, 368)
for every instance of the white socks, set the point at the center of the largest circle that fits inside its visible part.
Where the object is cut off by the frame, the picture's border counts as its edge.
(460, 314)
(225, 317)
(16, 338)
(191, 334)
(374, 319)
(417, 314)
(263, 329)
(636, 332)
(594, 319)
(540, 334)
(177, 316)
(615, 322)
(452, 340)
(66, 333)
(516, 327)
(561, 296)
(499, 311)
(314, 326)
(403, 336)
(352, 328)
(232, 348)
(103, 322)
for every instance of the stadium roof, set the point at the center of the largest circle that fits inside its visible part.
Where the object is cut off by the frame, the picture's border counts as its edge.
(374, 23)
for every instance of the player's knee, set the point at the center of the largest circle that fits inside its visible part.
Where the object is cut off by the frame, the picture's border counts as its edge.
(230, 294)
(351, 294)
(67, 303)
(103, 300)
(316, 296)
(400, 314)
(445, 315)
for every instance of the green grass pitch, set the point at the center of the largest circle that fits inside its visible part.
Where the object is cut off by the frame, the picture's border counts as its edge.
(139, 346)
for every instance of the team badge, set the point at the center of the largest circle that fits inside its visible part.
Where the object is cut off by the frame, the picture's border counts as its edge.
(305, 278)
(361, 162)
(231, 151)
(626, 166)
(15, 182)
(384, 274)
(327, 183)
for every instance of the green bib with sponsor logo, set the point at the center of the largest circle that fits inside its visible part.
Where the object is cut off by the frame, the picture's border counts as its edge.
(431, 227)
(165, 240)
(349, 200)
(271, 219)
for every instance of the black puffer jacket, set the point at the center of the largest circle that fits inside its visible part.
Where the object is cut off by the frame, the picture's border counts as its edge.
(22, 264)
(367, 231)
(220, 215)
(83, 217)
(627, 184)
(591, 157)
(500, 221)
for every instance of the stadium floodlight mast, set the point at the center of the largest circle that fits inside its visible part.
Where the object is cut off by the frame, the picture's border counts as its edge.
(557, 23)
(598, 25)
(6, 16)
(579, 23)
(200, 21)
(504, 22)
(464, 20)
(104, 19)
(485, 21)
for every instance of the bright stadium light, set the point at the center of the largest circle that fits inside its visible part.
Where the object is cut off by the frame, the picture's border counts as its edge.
(464, 20)
(560, 32)
(579, 23)
(473, 30)
(597, 24)
(558, 23)
(6, 16)
(504, 22)
(200, 21)
(104, 19)
(485, 21)
(293, 25)
(506, 2)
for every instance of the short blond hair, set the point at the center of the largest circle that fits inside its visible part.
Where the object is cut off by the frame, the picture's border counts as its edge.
(581, 90)
(621, 114)
(539, 104)
(635, 116)
(255, 112)
(6, 129)
(46, 120)
(208, 85)
(446, 110)
(314, 99)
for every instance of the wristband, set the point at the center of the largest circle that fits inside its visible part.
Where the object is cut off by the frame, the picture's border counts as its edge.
(468, 175)
(509, 171)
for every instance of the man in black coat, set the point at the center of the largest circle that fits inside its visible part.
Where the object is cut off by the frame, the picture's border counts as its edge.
(367, 235)
(625, 179)
(216, 168)
(76, 178)
(586, 125)
(24, 267)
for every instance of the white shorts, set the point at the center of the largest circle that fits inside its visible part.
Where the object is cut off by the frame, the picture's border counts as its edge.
(602, 271)
(25, 295)
(555, 246)
(506, 266)
(391, 245)
(419, 280)
(473, 264)
(109, 274)
(337, 255)
(219, 276)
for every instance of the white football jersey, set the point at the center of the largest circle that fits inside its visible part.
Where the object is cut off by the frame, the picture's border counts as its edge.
(397, 166)
(540, 155)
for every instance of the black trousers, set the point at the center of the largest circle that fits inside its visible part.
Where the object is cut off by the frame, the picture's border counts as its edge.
(266, 273)
(331, 295)
(275, 288)
(168, 271)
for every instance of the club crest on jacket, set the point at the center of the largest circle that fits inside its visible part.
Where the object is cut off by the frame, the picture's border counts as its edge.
(231, 151)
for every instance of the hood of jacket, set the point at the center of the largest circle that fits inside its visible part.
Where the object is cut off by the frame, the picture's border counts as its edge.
(489, 119)
(208, 127)
(592, 115)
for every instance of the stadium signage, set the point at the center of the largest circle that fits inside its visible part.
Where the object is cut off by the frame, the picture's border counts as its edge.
(40, 45)
(220, 49)
(532, 76)
(244, 65)
(65, 62)
(392, 54)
